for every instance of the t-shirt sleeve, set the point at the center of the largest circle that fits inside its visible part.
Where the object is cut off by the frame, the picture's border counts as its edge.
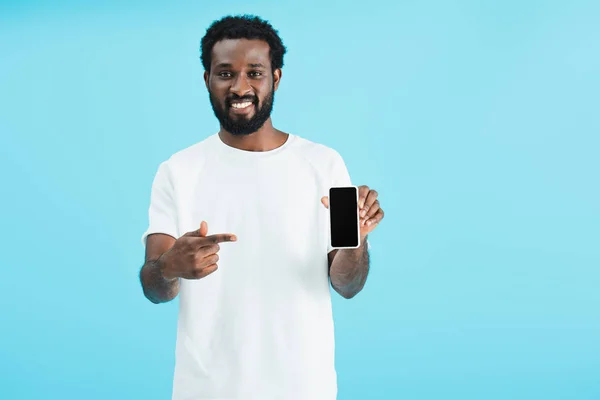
(339, 177)
(340, 174)
(162, 213)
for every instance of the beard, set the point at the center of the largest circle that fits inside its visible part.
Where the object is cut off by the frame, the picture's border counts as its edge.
(241, 124)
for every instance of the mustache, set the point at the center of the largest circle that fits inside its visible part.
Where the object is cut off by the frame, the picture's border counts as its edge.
(230, 99)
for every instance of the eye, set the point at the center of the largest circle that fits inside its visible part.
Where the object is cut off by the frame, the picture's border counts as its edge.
(225, 74)
(255, 74)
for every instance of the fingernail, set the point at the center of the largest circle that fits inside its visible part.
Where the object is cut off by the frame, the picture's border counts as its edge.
(368, 223)
(233, 238)
(362, 213)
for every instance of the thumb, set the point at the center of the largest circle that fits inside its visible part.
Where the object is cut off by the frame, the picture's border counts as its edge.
(203, 228)
(325, 201)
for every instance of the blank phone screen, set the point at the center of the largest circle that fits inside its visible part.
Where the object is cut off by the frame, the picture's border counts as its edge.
(343, 211)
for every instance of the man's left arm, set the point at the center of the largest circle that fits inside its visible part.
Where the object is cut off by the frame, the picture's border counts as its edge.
(348, 268)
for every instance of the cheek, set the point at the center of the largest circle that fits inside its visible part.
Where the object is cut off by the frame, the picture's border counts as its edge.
(217, 89)
(217, 97)
(263, 91)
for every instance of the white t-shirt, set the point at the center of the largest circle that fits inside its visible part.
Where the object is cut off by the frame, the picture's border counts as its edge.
(260, 326)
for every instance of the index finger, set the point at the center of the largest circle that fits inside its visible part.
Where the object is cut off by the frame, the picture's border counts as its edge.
(363, 191)
(220, 238)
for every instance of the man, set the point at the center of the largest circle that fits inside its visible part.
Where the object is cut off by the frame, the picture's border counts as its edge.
(255, 319)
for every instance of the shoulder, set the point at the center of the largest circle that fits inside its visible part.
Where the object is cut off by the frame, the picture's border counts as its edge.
(316, 152)
(191, 156)
(326, 161)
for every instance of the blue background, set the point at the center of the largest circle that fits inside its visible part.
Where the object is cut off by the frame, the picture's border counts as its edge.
(477, 122)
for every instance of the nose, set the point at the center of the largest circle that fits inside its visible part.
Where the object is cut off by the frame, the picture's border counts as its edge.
(241, 86)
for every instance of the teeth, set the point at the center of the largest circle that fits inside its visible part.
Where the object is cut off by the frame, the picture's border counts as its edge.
(241, 105)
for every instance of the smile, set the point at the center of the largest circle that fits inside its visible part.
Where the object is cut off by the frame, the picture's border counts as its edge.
(240, 106)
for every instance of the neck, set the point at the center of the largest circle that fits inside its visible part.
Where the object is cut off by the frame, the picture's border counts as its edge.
(265, 139)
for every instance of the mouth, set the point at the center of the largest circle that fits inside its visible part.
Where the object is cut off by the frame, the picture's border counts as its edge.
(241, 107)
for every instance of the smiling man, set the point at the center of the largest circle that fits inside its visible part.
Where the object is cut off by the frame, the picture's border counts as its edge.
(255, 317)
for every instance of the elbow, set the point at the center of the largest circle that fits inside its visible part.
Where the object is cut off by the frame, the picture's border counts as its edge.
(348, 293)
(352, 294)
(158, 301)
(150, 298)
(154, 299)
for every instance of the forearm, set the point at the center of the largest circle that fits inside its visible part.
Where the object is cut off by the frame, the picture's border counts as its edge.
(349, 270)
(156, 288)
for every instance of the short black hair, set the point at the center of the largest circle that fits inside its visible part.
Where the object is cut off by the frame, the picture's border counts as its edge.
(242, 27)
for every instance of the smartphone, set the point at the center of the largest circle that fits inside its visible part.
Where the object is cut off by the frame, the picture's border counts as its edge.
(343, 217)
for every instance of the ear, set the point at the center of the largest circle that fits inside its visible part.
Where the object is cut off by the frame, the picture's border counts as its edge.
(206, 78)
(276, 78)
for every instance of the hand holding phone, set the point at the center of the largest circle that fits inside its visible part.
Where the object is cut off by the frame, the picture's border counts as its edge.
(356, 212)
(344, 218)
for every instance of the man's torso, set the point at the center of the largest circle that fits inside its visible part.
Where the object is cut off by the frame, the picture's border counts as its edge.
(261, 325)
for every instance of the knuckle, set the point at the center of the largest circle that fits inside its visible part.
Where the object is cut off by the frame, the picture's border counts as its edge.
(210, 260)
(213, 268)
(197, 257)
(210, 250)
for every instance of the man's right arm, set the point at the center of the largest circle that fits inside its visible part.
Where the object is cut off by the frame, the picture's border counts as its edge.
(192, 256)
(156, 287)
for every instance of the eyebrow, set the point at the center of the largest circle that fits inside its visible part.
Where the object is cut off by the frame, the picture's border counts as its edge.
(228, 65)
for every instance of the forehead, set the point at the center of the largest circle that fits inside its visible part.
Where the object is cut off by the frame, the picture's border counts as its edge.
(240, 52)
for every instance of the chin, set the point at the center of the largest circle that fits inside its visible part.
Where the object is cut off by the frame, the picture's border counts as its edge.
(236, 116)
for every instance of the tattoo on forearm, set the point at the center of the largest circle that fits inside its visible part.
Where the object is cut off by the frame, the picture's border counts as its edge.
(156, 288)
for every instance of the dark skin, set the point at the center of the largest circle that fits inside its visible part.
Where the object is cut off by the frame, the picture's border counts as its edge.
(348, 268)
(243, 67)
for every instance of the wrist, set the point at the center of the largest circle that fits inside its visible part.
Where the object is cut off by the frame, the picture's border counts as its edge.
(363, 240)
(356, 253)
